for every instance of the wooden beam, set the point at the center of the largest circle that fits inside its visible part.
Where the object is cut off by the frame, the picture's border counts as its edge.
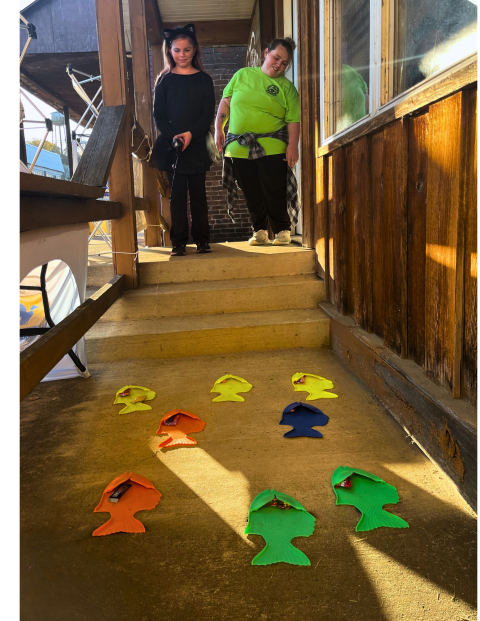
(466, 74)
(36, 87)
(154, 22)
(96, 162)
(162, 182)
(113, 68)
(47, 186)
(144, 113)
(41, 212)
(221, 32)
(444, 428)
(142, 204)
(40, 358)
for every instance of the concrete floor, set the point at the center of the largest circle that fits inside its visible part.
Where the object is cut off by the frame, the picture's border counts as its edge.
(193, 561)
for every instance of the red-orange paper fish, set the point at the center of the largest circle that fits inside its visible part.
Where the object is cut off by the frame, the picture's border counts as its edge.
(177, 424)
(141, 496)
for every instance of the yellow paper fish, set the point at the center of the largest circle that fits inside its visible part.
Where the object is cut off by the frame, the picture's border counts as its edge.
(313, 384)
(133, 401)
(228, 386)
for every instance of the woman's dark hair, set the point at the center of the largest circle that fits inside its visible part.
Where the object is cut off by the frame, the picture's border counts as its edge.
(171, 35)
(288, 43)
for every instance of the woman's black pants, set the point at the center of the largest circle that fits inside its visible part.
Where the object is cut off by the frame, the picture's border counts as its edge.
(264, 185)
(194, 185)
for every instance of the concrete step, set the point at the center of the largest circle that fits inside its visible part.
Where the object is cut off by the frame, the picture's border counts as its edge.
(235, 261)
(174, 337)
(219, 296)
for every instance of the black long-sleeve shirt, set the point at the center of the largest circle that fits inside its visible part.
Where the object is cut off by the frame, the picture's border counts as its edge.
(184, 103)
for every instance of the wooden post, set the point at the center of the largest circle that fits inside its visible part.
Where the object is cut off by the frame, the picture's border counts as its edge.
(113, 69)
(68, 136)
(144, 113)
(157, 65)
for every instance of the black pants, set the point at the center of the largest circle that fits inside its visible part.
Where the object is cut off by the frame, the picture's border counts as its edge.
(264, 184)
(194, 185)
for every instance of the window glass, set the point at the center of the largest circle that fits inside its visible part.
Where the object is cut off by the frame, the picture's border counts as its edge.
(430, 35)
(347, 63)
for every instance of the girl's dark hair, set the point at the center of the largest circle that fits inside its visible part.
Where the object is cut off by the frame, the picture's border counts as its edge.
(288, 43)
(172, 35)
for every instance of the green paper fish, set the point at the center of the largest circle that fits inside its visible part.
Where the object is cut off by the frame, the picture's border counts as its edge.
(278, 526)
(367, 493)
(228, 386)
(314, 384)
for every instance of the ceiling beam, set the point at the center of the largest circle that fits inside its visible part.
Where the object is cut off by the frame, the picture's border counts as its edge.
(219, 32)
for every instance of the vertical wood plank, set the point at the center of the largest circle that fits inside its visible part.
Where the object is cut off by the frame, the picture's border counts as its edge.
(362, 311)
(349, 259)
(378, 293)
(157, 66)
(308, 155)
(416, 235)
(330, 230)
(144, 113)
(338, 230)
(395, 156)
(469, 366)
(443, 214)
(321, 221)
(113, 69)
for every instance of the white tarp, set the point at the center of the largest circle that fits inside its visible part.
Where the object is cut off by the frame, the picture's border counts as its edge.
(65, 249)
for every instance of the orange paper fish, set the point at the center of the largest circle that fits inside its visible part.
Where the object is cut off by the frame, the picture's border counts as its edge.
(141, 496)
(177, 424)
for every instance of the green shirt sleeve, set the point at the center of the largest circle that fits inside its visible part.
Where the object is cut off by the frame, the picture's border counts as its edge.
(292, 111)
(228, 90)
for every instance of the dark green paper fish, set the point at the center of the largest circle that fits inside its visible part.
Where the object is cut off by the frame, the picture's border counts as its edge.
(278, 527)
(368, 493)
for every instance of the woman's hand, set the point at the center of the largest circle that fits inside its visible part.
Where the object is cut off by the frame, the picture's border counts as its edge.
(292, 154)
(219, 139)
(186, 138)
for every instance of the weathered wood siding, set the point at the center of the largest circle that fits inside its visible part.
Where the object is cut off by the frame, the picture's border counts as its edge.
(395, 232)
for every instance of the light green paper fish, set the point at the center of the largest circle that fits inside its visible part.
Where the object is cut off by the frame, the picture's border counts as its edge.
(278, 527)
(135, 391)
(228, 386)
(368, 493)
(314, 384)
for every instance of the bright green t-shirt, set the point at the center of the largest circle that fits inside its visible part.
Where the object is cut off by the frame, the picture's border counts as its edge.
(260, 105)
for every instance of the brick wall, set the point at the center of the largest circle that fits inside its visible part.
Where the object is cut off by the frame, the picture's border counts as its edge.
(221, 63)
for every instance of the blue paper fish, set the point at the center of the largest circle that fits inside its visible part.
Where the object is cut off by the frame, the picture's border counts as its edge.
(302, 418)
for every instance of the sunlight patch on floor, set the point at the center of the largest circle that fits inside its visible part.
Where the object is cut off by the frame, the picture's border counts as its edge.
(227, 493)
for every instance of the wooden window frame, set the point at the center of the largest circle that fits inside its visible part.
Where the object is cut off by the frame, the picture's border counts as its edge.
(384, 73)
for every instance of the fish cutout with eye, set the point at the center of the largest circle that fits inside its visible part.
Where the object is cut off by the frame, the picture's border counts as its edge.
(367, 493)
(177, 424)
(302, 418)
(141, 496)
(133, 397)
(278, 518)
(229, 386)
(313, 384)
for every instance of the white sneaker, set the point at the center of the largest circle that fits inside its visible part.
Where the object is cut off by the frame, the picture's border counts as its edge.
(259, 238)
(282, 238)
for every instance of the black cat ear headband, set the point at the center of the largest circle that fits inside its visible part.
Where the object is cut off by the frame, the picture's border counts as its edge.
(171, 33)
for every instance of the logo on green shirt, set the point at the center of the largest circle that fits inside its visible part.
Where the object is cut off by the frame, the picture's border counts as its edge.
(273, 90)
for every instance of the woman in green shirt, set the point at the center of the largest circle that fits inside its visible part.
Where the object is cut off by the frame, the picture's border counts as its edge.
(262, 106)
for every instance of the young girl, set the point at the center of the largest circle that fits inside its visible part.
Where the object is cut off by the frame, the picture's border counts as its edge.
(184, 106)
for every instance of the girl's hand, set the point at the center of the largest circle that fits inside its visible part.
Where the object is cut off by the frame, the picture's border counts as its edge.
(186, 138)
(219, 139)
(292, 154)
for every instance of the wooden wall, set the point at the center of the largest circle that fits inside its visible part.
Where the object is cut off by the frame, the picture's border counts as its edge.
(396, 237)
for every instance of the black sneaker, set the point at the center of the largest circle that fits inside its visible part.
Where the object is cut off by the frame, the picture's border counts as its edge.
(203, 248)
(178, 251)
